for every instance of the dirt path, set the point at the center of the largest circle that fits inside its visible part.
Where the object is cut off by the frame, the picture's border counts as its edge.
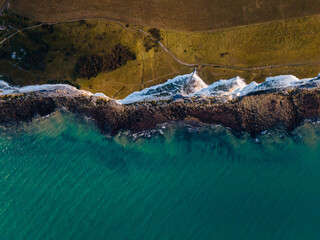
(21, 30)
(224, 66)
(167, 50)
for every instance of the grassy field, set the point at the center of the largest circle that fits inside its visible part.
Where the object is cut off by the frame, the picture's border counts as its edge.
(288, 47)
(67, 42)
(181, 15)
(291, 45)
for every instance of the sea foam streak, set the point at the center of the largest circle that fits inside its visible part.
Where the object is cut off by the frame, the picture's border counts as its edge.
(189, 85)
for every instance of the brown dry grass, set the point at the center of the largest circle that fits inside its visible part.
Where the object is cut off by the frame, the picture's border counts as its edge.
(183, 15)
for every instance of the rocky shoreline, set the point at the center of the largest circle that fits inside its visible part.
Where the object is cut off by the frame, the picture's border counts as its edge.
(253, 113)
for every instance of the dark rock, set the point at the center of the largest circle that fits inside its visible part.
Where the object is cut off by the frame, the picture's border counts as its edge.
(254, 113)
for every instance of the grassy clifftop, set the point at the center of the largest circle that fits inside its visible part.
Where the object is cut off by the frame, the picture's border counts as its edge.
(282, 47)
(49, 53)
(181, 15)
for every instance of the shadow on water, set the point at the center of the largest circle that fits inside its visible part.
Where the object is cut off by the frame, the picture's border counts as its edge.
(215, 142)
(169, 145)
(61, 175)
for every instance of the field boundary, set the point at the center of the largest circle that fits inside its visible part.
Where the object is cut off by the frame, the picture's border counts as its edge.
(167, 50)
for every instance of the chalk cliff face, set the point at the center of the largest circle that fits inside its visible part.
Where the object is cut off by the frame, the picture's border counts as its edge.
(253, 113)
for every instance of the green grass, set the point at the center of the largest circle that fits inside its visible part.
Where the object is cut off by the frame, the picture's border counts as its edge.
(69, 41)
(274, 43)
(292, 46)
(282, 44)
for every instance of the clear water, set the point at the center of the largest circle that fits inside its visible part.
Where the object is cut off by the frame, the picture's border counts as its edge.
(61, 179)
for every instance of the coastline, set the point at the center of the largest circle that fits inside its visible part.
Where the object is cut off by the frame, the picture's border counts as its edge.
(253, 113)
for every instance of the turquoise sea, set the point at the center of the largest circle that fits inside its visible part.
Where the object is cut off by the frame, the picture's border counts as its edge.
(61, 179)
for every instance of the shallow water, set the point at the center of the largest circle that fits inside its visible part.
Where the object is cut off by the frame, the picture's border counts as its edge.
(61, 179)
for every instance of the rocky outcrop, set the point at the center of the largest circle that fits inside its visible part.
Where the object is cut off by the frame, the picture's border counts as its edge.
(15, 110)
(253, 113)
